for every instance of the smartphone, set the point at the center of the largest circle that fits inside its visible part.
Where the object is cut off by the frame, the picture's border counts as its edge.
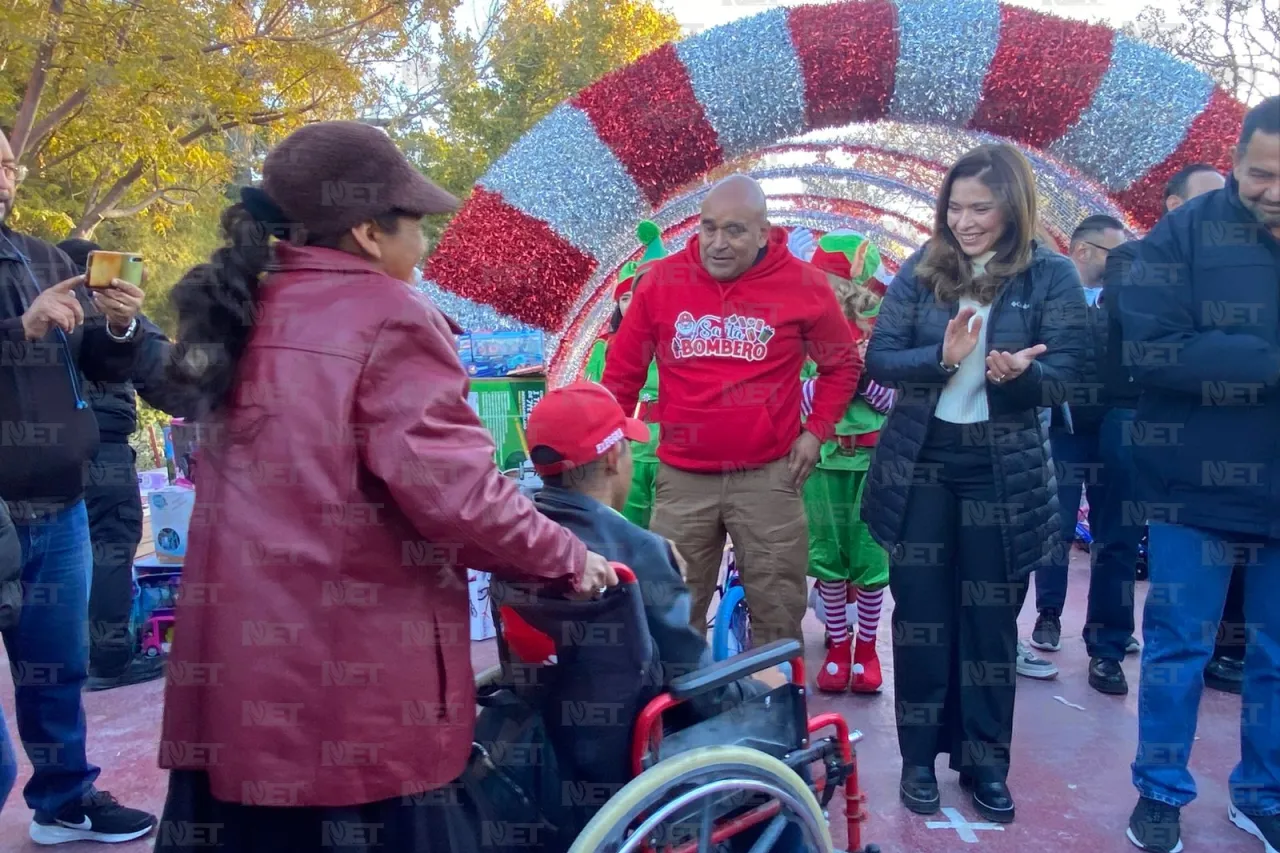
(103, 267)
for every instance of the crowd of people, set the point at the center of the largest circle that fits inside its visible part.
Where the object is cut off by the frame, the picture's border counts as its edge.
(930, 432)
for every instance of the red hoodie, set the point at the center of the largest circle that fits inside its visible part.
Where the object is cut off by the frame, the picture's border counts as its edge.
(729, 357)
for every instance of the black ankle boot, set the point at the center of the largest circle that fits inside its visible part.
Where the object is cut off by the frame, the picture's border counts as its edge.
(992, 799)
(919, 789)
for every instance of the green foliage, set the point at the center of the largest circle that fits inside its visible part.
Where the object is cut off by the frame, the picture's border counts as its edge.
(500, 82)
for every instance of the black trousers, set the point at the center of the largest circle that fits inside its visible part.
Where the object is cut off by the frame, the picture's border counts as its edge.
(955, 614)
(1232, 631)
(115, 528)
(440, 821)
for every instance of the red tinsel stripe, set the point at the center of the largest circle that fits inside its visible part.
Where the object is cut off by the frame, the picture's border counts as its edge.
(849, 55)
(1043, 75)
(650, 118)
(1208, 140)
(497, 255)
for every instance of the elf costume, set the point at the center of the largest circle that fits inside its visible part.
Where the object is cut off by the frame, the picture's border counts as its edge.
(639, 506)
(848, 564)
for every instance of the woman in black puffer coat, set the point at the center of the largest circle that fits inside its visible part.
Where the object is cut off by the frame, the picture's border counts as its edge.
(980, 330)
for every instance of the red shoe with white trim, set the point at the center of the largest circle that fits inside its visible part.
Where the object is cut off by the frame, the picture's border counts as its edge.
(866, 668)
(836, 669)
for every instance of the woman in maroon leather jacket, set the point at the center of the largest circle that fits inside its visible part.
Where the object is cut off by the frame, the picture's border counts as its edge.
(319, 692)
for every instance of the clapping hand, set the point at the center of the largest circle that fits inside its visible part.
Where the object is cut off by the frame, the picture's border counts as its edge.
(1004, 366)
(961, 336)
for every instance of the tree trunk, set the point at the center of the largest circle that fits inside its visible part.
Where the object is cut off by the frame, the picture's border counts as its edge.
(26, 117)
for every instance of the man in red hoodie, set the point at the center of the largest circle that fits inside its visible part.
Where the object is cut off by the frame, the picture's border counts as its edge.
(730, 321)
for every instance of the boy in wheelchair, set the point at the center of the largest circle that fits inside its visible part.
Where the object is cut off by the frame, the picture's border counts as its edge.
(571, 720)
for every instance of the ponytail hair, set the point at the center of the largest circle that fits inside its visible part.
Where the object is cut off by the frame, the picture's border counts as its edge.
(217, 305)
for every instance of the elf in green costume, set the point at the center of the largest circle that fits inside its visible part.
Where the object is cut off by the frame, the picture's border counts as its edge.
(639, 506)
(848, 564)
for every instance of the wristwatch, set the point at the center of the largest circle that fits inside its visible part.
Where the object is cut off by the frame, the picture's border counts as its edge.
(128, 333)
(948, 368)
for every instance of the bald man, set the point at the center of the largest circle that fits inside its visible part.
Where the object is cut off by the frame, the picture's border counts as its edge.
(730, 321)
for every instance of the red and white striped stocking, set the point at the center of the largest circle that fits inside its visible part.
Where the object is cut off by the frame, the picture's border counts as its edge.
(869, 604)
(834, 596)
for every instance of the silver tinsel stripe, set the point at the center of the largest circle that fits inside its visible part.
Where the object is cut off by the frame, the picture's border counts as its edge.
(560, 172)
(471, 316)
(1140, 114)
(944, 50)
(1067, 196)
(759, 50)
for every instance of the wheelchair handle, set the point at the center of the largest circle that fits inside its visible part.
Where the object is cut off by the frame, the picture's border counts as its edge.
(624, 573)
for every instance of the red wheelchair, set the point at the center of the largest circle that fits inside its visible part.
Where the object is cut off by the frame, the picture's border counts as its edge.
(762, 769)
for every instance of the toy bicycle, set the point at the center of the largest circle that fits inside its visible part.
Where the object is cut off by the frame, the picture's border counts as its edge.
(731, 625)
(742, 778)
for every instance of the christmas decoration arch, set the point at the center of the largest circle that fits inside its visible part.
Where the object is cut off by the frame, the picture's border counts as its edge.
(553, 219)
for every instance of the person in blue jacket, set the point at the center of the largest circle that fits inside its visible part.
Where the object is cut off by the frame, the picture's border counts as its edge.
(1200, 315)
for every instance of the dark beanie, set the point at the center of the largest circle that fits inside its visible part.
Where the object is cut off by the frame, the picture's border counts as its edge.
(78, 251)
(331, 176)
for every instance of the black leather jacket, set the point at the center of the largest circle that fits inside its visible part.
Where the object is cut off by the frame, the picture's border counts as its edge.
(667, 603)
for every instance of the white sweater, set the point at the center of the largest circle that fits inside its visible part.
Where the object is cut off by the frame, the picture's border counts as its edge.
(964, 398)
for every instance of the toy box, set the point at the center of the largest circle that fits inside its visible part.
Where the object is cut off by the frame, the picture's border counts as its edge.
(156, 587)
(481, 616)
(493, 354)
(152, 481)
(170, 519)
(504, 406)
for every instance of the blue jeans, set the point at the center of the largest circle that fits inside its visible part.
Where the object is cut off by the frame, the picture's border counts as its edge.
(8, 762)
(1117, 524)
(1190, 571)
(49, 655)
(1077, 466)
(1100, 464)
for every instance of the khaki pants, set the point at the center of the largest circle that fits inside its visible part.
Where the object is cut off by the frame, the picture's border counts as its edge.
(764, 516)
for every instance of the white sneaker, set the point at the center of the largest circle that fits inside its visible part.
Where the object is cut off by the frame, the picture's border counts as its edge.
(1265, 829)
(1030, 666)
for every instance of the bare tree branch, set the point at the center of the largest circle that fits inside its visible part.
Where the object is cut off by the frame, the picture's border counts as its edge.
(147, 201)
(22, 124)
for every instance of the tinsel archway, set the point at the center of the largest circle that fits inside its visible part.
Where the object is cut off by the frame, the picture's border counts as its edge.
(849, 114)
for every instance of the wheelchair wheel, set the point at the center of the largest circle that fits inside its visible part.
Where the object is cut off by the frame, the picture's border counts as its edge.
(675, 799)
(731, 632)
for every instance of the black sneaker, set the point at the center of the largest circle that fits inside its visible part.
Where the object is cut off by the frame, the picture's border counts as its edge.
(1132, 646)
(97, 817)
(1047, 636)
(139, 671)
(1154, 826)
(1225, 675)
(1106, 676)
(1265, 828)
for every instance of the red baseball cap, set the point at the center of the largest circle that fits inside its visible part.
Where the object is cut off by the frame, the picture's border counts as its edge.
(578, 424)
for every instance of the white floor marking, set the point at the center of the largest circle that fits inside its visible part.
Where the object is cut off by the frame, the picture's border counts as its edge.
(963, 828)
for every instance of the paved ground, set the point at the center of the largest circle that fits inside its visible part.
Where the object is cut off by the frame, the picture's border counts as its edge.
(1070, 768)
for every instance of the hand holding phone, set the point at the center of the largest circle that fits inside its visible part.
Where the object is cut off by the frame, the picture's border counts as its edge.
(104, 268)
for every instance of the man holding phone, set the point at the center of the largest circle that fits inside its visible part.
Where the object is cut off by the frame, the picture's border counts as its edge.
(52, 331)
(113, 502)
